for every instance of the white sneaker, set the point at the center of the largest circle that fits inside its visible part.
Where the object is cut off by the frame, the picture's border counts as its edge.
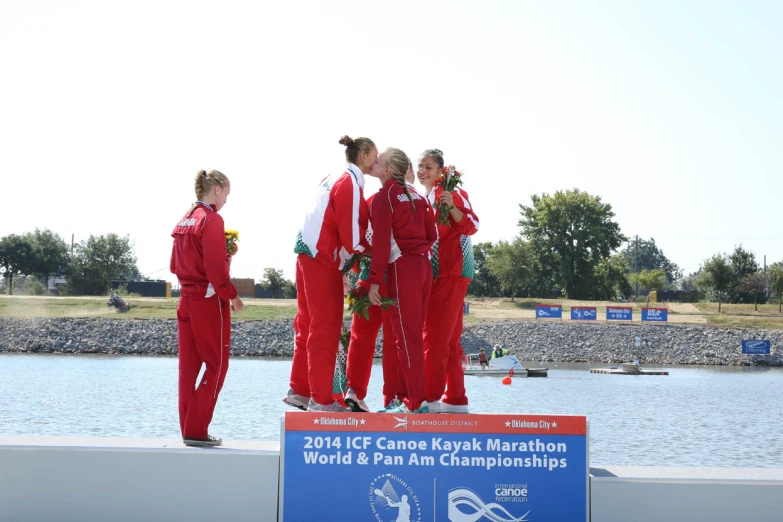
(445, 407)
(435, 406)
(326, 408)
(356, 404)
(296, 400)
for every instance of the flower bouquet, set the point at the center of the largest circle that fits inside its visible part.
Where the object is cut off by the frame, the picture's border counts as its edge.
(345, 338)
(448, 180)
(359, 302)
(232, 238)
(352, 261)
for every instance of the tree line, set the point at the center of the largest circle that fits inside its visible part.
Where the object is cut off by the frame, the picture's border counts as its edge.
(32, 259)
(570, 246)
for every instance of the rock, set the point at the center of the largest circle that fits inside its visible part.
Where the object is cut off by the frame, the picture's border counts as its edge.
(528, 340)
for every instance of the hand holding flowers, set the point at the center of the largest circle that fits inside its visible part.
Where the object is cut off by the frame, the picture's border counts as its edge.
(359, 302)
(232, 238)
(449, 179)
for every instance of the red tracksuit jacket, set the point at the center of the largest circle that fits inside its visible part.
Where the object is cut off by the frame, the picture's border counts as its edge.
(452, 255)
(199, 257)
(397, 229)
(335, 229)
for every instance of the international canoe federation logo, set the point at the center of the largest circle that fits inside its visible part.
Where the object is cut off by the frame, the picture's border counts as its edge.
(466, 506)
(402, 422)
(392, 500)
(584, 314)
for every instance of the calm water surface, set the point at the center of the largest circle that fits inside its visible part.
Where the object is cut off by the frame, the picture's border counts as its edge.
(697, 416)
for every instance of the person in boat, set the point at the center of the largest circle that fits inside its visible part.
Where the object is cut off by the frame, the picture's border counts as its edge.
(499, 352)
(483, 358)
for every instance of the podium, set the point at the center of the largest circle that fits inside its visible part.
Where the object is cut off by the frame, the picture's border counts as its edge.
(429, 467)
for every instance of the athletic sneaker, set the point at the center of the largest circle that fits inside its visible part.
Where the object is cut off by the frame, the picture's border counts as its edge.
(296, 400)
(402, 408)
(445, 407)
(356, 404)
(326, 408)
(435, 407)
(392, 405)
(209, 441)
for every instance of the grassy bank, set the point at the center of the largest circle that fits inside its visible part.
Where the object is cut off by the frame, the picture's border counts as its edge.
(732, 316)
(141, 308)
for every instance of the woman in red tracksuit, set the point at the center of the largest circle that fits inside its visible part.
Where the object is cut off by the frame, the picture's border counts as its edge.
(452, 259)
(364, 333)
(403, 232)
(200, 261)
(332, 233)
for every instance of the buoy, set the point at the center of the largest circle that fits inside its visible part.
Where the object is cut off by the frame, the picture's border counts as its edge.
(511, 372)
(506, 380)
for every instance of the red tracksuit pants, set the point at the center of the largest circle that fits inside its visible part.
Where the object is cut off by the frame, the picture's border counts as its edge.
(442, 348)
(204, 337)
(409, 280)
(319, 319)
(364, 333)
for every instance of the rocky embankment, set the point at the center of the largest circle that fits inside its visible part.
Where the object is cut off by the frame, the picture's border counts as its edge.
(530, 341)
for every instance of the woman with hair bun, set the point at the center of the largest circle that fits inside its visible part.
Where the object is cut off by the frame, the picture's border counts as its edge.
(332, 232)
(200, 261)
(452, 263)
(403, 232)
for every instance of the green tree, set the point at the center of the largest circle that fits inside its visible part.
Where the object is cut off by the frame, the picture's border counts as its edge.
(571, 233)
(644, 254)
(273, 281)
(289, 292)
(649, 279)
(718, 277)
(611, 278)
(484, 283)
(510, 264)
(51, 254)
(16, 257)
(743, 263)
(754, 284)
(100, 260)
(776, 283)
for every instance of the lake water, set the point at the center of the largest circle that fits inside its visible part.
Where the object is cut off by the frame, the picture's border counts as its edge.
(696, 416)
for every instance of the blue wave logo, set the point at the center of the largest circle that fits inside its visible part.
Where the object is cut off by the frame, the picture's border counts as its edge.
(466, 506)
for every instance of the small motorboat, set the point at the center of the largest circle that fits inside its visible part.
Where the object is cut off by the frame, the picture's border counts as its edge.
(508, 364)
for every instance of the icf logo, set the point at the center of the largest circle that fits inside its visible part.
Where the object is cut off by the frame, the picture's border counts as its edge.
(511, 492)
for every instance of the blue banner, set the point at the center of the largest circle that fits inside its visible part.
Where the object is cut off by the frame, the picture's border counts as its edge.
(421, 467)
(584, 313)
(756, 347)
(655, 315)
(619, 313)
(549, 312)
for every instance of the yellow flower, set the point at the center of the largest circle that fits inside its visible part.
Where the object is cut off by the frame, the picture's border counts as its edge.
(232, 235)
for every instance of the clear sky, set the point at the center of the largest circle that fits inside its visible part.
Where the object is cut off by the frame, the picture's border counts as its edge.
(670, 111)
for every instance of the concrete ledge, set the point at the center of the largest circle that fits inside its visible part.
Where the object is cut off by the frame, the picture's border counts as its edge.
(77, 479)
(73, 479)
(680, 494)
(658, 473)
